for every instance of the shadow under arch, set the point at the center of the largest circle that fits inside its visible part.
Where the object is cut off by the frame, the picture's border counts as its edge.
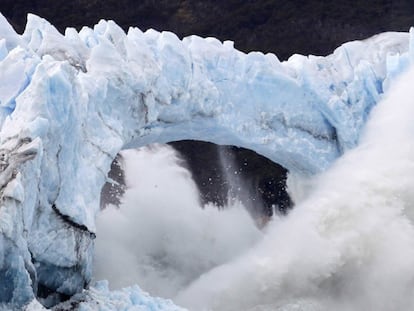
(222, 173)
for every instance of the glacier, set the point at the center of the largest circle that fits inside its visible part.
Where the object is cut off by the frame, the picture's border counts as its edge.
(70, 102)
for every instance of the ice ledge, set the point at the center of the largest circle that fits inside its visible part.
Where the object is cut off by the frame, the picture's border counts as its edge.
(100, 298)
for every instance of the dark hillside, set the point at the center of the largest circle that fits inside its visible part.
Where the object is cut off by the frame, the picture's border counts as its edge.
(279, 26)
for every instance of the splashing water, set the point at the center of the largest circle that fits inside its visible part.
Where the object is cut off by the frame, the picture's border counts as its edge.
(160, 237)
(349, 242)
(347, 245)
(237, 190)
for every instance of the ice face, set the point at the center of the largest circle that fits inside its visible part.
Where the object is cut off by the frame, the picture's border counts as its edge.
(69, 103)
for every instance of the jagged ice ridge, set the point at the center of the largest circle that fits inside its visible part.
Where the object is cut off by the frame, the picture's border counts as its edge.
(69, 103)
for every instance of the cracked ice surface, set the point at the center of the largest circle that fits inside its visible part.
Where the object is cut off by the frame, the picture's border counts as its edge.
(69, 103)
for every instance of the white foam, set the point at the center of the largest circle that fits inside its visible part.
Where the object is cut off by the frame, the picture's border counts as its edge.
(161, 237)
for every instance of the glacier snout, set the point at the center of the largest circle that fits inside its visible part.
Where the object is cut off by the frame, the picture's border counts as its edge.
(69, 103)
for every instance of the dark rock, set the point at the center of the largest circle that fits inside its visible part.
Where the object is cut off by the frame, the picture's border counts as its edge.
(225, 173)
(114, 189)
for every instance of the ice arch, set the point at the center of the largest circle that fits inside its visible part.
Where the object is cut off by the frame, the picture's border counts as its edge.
(69, 103)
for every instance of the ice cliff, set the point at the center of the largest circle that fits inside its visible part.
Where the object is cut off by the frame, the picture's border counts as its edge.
(69, 103)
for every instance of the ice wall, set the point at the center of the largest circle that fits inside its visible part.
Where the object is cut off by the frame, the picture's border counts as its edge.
(69, 103)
